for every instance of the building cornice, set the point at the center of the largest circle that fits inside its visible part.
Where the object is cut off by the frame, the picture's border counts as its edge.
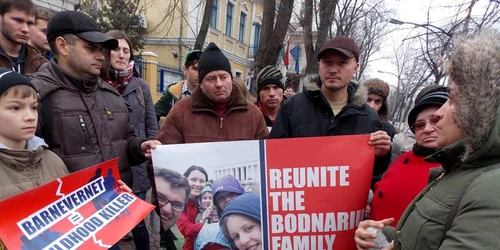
(190, 42)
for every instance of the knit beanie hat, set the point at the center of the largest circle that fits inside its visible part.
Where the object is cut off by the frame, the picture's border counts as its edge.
(269, 75)
(378, 87)
(381, 88)
(9, 78)
(247, 204)
(227, 183)
(204, 190)
(212, 59)
(433, 95)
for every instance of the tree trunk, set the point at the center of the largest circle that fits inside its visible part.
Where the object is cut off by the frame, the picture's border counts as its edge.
(200, 39)
(326, 8)
(308, 37)
(272, 34)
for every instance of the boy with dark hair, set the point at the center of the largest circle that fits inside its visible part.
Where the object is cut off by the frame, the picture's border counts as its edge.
(179, 90)
(17, 18)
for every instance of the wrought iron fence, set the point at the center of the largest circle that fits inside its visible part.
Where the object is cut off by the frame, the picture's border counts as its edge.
(167, 75)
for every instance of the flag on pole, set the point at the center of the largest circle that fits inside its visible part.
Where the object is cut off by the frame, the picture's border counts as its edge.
(281, 58)
(295, 52)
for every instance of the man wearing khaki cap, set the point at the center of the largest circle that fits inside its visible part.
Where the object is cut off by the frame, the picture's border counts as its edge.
(334, 105)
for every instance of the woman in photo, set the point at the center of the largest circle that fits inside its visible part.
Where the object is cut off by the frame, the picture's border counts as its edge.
(187, 224)
(240, 222)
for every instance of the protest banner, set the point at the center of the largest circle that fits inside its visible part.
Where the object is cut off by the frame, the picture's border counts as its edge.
(316, 195)
(313, 191)
(83, 210)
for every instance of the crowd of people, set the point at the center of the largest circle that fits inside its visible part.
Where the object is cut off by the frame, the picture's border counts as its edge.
(433, 185)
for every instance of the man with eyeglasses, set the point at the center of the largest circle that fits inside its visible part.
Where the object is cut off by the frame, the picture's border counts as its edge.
(176, 91)
(409, 173)
(172, 192)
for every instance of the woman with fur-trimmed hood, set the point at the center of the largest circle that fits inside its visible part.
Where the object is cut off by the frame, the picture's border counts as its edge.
(460, 209)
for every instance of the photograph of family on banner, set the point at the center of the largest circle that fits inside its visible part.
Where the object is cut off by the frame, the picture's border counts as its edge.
(304, 193)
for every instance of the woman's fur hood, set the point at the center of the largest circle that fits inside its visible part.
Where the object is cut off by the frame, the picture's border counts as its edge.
(475, 69)
(313, 83)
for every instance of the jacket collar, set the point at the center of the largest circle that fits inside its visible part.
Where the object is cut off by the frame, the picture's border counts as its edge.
(73, 82)
(176, 89)
(20, 159)
(450, 157)
(199, 101)
(131, 87)
(355, 102)
(357, 93)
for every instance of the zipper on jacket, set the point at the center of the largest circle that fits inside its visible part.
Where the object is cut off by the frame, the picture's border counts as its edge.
(82, 123)
(220, 132)
(436, 181)
(84, 128)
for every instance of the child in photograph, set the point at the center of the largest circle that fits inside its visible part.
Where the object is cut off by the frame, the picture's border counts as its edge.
(25, 161)
(210, 237)
(207, 209)
(240, 222)
(225, 190)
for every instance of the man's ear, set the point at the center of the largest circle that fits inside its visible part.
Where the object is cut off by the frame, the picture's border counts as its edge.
(356, 67)
(62, 46)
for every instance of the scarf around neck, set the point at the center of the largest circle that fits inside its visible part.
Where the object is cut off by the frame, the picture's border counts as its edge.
(120, 78)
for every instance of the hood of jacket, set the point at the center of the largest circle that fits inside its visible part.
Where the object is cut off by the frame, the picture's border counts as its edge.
(475, 69)
(358, 98)
(23, 158)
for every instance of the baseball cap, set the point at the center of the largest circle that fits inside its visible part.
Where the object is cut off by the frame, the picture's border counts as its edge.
(192, 55)
(345, 45)
(81, 25)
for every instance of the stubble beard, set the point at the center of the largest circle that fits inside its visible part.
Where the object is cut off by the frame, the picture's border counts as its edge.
(5, 33)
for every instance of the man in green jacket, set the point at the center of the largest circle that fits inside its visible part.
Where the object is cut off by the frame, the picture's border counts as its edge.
(460, 209)
(179, 90)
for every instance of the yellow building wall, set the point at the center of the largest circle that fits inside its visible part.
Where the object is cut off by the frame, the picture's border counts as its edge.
(163, 19)
(155, 11)
(164, 53)
(236, 66)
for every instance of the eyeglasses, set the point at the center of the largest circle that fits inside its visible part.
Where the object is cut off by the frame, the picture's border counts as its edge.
(420, 125)
(176, 206)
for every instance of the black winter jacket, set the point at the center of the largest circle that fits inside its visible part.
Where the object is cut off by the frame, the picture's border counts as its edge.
(309, 114)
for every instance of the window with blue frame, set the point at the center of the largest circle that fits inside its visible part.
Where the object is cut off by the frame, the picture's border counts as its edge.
(243, 21)
(214, 14)
(229, 19)
(256, 37)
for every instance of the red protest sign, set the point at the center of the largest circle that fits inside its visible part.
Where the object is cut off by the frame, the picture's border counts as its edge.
(85, 210)
(317, 191)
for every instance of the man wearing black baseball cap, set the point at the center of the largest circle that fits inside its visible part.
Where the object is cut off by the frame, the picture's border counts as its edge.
(83, 119)
(334, 105)
(176, 91)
